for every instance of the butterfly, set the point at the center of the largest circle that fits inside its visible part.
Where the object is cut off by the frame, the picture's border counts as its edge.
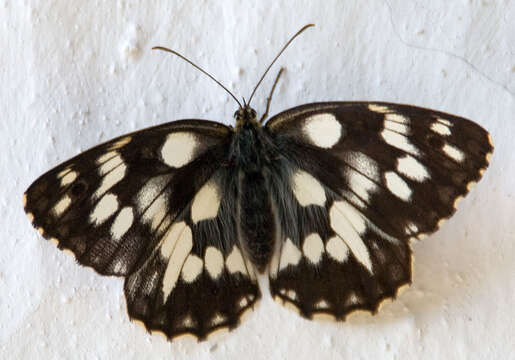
(324, 198)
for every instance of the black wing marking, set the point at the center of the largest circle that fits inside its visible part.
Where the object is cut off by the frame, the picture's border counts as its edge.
(141, 206)
(197, 280)
(374, 175)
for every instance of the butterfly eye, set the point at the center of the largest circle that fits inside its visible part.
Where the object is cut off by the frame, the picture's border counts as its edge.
(238, 114)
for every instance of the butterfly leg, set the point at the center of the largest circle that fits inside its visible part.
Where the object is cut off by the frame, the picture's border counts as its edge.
(269, 99)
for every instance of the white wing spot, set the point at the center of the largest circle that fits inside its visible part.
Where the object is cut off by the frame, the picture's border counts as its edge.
(104, 157)
(307, 189)
(323, 130)
(322, 304)
(192, 268)
(290, 254)
(110, 164)
(363, 164)
(291, 294)
(396, 126)
(120, 266)
(63, 172)
(235, 262)
(453, 152)
(440, 128)
(164, 226)
(313, 248)
(350, 228)
(411, 228)
(413, 169)
(177, 246)
(122, 222)
(214, 262)
(444, 121)
(155, 214)
(353, 199)
(337, 249)
(354, 216)
(399, 141)
(152, 201)
(172, 236)
(361, 185)
(120, 143)
(218, 319)
(104, 209)
(361, 174)
(179, 149)
(397, 186)
(68, 178)
(397, 118)
(243, 302)
(378, 108)
(61, 206)
(188, 322)
(110, 180)
(206, 202)
(352, 299)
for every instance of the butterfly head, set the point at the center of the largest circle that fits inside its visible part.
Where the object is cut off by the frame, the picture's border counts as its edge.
(245, 116)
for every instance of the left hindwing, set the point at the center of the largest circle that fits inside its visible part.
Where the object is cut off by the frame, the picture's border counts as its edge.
(364, 179)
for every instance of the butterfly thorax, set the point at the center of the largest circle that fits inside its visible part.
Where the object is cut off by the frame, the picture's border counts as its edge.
(251, 152)
(251, 148)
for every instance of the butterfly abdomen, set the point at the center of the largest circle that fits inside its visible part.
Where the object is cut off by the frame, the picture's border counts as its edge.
(257, 227)
(251, 154)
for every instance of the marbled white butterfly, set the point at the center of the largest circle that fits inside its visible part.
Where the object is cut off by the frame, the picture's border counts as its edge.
(324, 197)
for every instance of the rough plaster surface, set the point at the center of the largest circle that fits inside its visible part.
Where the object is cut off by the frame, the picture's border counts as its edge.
(76, 73)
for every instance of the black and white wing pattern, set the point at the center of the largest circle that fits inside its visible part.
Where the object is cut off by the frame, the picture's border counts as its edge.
(155, 207)
(355, 182)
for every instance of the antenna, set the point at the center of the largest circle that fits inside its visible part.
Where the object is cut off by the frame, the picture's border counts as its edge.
(277, 56)
(198, 68)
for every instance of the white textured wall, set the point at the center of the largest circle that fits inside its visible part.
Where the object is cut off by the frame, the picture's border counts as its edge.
(74, 73)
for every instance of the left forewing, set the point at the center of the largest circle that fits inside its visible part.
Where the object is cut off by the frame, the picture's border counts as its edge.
(109, 203)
